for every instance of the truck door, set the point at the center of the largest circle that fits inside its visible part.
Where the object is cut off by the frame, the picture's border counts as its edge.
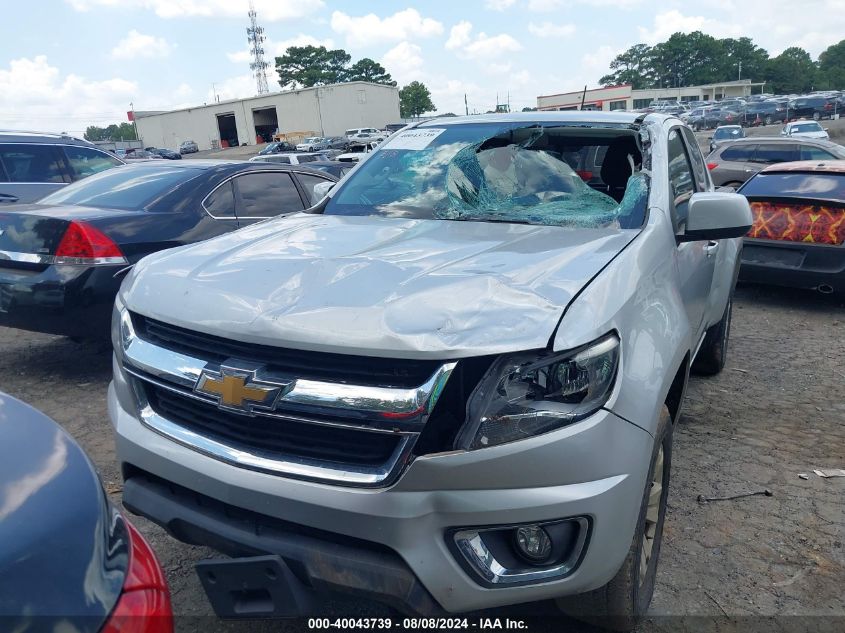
(695, 260)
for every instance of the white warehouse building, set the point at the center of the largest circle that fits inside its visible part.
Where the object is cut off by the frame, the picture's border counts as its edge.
(324, 111)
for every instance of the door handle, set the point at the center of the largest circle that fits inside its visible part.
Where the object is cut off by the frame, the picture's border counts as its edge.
(5, 197)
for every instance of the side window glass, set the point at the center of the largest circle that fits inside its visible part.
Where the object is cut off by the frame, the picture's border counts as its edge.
(739, 153)
(808, 152)
(775, 153)
(32, 163)
(267, 194)
(699, 169)
(221, 202)
(308, 183)
(85, 161)
(681, 181)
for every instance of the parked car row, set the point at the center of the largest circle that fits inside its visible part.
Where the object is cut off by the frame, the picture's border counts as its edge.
(755, 110)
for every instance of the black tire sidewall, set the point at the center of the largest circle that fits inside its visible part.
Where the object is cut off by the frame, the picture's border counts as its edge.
(643, 591)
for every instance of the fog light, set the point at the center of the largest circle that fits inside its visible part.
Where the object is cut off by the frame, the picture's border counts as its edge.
(533, 543)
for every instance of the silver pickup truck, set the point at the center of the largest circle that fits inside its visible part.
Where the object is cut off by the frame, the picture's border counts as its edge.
(450, 385)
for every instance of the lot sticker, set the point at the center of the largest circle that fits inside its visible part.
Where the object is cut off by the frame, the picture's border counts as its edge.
(414, 139)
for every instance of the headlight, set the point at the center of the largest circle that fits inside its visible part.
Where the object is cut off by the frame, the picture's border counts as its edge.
(523, 395)
(122, 331)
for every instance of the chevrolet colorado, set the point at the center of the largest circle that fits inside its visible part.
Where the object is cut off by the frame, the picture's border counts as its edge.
(450, 385)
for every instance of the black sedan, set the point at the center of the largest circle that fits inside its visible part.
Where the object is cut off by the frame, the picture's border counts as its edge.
(336, 168)
(69, 560)
(62, 260)
(277, 147)
(161, 152)
(798, 235)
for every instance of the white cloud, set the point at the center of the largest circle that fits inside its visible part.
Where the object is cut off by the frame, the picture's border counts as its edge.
(268, 10)
(367, 29)
(544, 6)
(273, 48)
(38, 97)
(459, 35)
(549, 29)
(499, 5)
(137, 45)
(482, 46)
(673, 21)
(404, 62)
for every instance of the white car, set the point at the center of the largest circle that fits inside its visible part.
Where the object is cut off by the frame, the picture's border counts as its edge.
(351, 134)
(312, 143)
(804, 129)
(357, 152)
(293, 158)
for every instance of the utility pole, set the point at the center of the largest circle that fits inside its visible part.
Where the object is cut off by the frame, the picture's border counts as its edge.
(255, 37)
(134, 122)
(214, 92)
(466, 105)
(740, 70)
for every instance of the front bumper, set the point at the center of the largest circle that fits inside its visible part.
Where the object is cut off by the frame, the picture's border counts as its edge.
(67, 300)
(793, 264)
(595, 469)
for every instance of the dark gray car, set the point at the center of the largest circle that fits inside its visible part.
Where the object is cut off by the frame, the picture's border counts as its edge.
(734, 163)
(34, 165)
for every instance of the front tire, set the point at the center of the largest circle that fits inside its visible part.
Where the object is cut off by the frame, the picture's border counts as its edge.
(816, 116)
(714, 350)
(768, 120)
(622, 602)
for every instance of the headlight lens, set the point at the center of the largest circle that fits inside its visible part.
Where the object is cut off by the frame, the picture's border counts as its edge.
(523, 395)
(122, 331)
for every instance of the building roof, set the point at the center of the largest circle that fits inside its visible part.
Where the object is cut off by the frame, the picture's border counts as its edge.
(830, 166)
(139, 114)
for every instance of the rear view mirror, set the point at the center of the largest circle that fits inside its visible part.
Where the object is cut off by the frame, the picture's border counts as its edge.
(716, 215)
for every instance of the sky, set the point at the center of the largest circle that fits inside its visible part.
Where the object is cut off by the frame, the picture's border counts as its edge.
(68, 64)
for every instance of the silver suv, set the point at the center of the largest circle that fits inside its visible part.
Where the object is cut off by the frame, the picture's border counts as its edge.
(450, 385)
(34, 165)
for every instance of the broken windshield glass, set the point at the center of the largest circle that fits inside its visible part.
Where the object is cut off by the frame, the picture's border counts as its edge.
(550, 175)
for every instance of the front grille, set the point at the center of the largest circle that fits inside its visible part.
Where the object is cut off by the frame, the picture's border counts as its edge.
(358, 370)
(285, 438)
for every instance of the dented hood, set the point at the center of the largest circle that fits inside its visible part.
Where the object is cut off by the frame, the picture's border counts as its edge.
(376, 286)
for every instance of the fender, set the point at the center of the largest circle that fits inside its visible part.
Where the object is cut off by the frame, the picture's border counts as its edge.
(636, 295)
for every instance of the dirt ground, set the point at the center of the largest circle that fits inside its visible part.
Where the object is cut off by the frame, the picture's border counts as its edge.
(776, 411)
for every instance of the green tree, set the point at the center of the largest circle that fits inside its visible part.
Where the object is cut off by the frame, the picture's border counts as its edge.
(113, 132)
(307, 66)
(367, 69)
(791, 71)
(742, 51)
(832, 67)
(686, 59)
(414, 99)
(634, 66)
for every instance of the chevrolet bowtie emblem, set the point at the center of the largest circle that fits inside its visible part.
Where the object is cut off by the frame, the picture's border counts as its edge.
(239, 390)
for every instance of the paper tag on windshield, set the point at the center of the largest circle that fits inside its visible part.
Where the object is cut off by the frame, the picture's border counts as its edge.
(419, 138)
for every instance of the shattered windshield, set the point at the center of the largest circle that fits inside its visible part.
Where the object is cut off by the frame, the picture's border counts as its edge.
(584, 176)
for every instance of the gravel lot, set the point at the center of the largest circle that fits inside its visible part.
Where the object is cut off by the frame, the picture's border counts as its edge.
(776, 411)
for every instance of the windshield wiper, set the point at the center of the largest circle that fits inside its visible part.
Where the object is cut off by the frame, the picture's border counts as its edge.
(488, 219)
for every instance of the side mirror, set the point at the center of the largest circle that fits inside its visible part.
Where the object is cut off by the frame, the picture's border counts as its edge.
(716, 215)
(321, 190)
